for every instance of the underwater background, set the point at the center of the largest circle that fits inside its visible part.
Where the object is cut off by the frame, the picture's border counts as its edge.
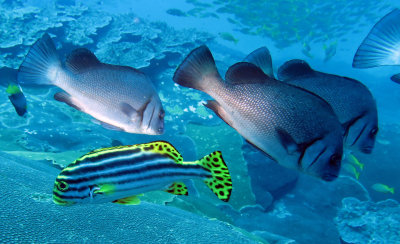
(269, 204)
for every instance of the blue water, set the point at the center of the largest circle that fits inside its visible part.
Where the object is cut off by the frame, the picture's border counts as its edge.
(155, 37)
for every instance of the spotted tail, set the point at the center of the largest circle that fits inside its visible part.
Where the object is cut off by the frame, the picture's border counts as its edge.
(220, 182)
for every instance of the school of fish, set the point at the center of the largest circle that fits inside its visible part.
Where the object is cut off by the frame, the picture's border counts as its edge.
(301, 118)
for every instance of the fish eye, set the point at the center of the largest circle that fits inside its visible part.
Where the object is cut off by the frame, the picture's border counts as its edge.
(335, 160)
(161, 114)
(374, 131)
(62, 186)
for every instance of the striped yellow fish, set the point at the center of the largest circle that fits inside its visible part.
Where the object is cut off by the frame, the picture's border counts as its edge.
(119, 174)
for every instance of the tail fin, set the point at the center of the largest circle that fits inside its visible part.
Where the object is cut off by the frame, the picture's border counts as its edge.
(40, 64)
(380, 47)
(220, 182)
(197, 70)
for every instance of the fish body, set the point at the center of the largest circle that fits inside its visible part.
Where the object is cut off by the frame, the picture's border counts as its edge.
(352, 102)
(382, 44)
(352, 170)
(119, 174)
(356, 162)
(294, 127)
(228, 37)
(120, 97)
(383, 188)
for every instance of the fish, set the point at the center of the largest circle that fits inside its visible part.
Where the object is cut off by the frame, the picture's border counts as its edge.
(355, 161)
(119, 97)
(381, 45)
(228, 37)
(17, 98)
(330, 50)
(382, 188)
(351, 100)
(292, 126)
(120, 174)
(352, 170)
(8, 78)
(176, 12)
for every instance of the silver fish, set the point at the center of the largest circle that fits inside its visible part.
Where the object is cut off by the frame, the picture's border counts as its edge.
(293, 126)
(352, 102)
(120, 97)
(382, 45)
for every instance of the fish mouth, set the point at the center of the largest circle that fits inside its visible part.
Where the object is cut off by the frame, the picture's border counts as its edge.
(366, 150)
(329, 177)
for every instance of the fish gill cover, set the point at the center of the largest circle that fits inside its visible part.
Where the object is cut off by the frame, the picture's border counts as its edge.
(274, 203)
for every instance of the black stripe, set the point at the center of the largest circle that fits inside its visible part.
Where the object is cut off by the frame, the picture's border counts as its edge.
(305, 146)
(359, 135)
(133, 171)
(113, 164)
(316, 158)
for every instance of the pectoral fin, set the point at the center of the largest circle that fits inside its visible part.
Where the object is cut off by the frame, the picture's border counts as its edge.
(219, 110)
(68, 99)
(132, 200)
(105, 189)
(287, 141)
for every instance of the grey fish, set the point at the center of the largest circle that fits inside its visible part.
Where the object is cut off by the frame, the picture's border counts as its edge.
(293, 126)
(381, 46)
(120, 97)
(352, 102)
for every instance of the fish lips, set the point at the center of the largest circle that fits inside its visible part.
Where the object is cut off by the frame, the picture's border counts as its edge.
(329, 177)
(366, 150)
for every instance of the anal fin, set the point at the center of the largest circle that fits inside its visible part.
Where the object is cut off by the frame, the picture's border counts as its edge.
(177, 188)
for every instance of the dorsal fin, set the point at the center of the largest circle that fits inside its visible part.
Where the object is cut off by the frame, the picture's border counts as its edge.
(162, 147)
(81, 59)
(245, 73)
(293, 69)
(261, 57)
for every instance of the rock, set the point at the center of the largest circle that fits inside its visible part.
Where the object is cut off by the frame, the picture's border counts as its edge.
(369, 222)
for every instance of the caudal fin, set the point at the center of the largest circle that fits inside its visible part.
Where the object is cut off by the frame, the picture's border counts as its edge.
(198, 70)
(381, 46)
(41, 63)
(220, 182)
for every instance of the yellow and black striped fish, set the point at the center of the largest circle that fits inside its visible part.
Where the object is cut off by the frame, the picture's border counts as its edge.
(119, 174)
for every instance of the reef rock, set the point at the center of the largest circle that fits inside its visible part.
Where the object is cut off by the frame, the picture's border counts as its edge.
(369, 222)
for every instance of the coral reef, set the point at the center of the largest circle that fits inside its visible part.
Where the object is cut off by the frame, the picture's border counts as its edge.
(369, 222)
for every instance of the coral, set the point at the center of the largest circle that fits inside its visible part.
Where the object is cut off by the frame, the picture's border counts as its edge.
(369, 222)
(27, 215)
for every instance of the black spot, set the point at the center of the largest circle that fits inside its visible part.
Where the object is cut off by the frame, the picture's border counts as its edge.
(168, 150)
(221, 193)
(215, 165)
(219, 178)
(227, 184)
(217, 172)
(219, 186)
(214, 153)
(215, 159)
(175, 155)
(160, 147)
